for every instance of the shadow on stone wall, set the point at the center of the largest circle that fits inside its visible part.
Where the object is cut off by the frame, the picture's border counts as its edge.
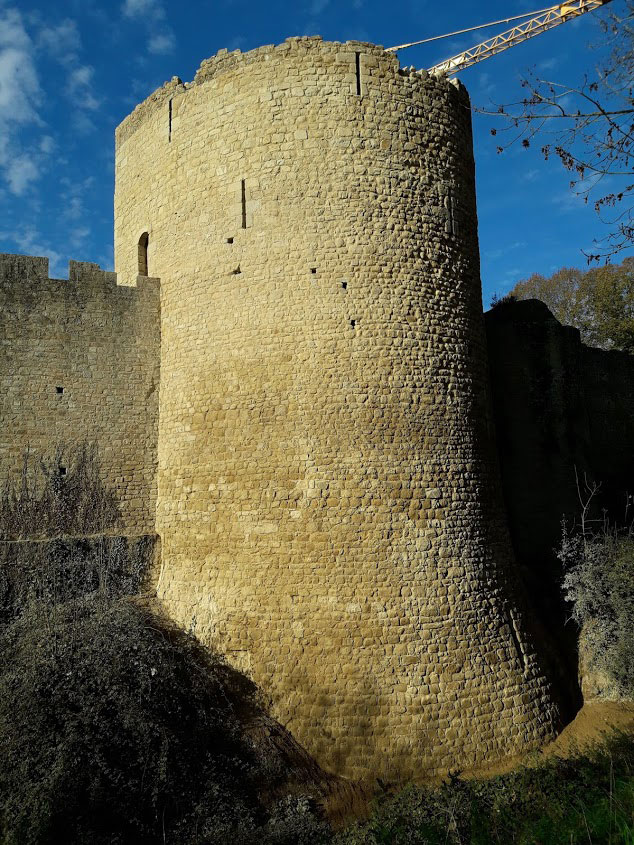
(563, 412)
(66, 573)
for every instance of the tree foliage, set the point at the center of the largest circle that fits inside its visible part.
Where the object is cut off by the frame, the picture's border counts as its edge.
(598, 583)
(598, 301)
(589, 127)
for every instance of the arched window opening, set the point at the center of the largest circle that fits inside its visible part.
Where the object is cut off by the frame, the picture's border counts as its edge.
(143, 245)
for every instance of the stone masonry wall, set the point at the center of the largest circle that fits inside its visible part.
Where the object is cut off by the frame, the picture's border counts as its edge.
(99, 344)
(564, 413)
(327, 495)
(563, 410)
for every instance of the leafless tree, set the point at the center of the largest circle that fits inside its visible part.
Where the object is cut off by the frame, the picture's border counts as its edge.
(589, 127)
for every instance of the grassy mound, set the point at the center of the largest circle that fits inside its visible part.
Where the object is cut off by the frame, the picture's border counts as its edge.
(118, 728)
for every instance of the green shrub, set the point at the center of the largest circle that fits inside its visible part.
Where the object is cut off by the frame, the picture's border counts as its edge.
(599, 583)
(117, 727)
(43, 574)
(560, 802)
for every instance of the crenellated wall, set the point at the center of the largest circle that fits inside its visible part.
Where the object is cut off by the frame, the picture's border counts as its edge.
(328, 500)
(79, 361)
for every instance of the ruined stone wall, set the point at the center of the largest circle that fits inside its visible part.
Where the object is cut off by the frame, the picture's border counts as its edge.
(79, 361)
(563, 411)
(326, 500)
(564, 416)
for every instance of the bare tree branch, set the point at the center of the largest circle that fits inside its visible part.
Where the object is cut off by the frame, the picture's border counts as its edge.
(589, 127)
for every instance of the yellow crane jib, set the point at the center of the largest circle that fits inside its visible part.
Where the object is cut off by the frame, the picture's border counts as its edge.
(522, 32)
(541, 21)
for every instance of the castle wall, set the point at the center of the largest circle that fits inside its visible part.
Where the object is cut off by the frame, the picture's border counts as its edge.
(327, 499)
(541, 422)
(564, 415)
(99, 343)
(563, 410)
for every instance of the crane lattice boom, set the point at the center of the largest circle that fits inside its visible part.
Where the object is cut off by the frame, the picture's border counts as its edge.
(549, 19)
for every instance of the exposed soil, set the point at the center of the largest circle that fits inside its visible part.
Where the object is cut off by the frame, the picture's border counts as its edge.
(596, 720)
(593, 722)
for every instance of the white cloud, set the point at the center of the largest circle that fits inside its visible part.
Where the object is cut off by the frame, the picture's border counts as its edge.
(27, 240)
(80, 87)
(573, 198)
(314, 20)
(20, 171)
(78, 235)
(161, 43)
(80, 76)
(12, 31)
(495, 254)
(47, 144)
(138, 8)
(82, 123)
(318, 6)
(19, 86)
(62, 41)
(20, 97)
(75, 208)
(512, 275)
(549, 64)
(73, 195)
(152, 13)
(236, 43)
(486, 82)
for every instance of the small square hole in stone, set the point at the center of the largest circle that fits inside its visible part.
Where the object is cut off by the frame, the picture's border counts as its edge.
(62, 471)
(229, 240)
(313, 270)
(344, 285)
(353, 323)
(59, 390)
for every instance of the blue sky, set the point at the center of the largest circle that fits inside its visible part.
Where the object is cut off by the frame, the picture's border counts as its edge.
(71, 70)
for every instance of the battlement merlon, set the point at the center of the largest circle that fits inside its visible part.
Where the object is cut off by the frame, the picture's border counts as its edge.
(24, 269)
(224, 62)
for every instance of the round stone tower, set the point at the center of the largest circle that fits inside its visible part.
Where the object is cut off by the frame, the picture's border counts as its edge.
(327, 496)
